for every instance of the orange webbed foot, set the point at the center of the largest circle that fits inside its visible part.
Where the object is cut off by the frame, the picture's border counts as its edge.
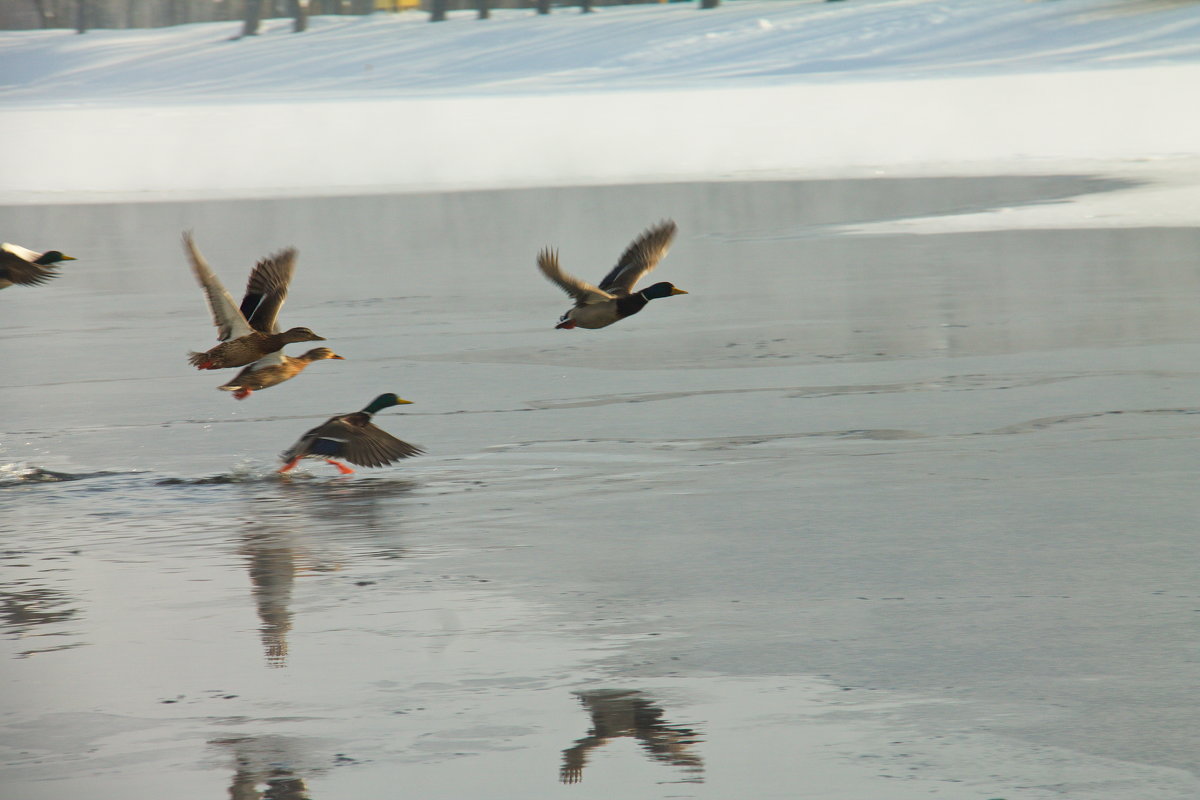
(289, 465)
(342, 468)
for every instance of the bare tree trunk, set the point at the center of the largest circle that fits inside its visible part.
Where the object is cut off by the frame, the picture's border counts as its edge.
(485, 8)
(45, 15)
(437, 11)
(299, 10)
(543, 6)
(709, 3)
(177, 12)
(83, 13)
(253, 15)
(585, 7)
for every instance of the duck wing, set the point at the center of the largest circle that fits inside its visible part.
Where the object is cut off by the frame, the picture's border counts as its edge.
(15, 268)
(269, 360)
(639, 258)
(230, 322)
(353, 438)
(267, 289)
(582, 292)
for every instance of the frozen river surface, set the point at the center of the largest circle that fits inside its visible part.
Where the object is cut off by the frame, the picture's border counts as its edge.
(862, 516)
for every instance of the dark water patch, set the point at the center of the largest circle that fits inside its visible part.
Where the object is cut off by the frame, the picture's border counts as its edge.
(218, 480)
(1042, 423)
(891, 199)
(20, 474)
(740, 206)
(22, 611)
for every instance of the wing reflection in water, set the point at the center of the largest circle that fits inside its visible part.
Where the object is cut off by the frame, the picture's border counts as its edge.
(33, 612)
(273, 763)
(623, 712)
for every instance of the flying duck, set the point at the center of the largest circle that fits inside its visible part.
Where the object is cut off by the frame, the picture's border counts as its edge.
(248, 333)
(23, 266)
(614, 298)
(352, 438)
(272, 370)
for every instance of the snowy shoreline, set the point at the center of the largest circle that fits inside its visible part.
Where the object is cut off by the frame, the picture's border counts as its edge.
(757, 91)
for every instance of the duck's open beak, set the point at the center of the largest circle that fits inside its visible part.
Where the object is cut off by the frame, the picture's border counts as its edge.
(677, 290)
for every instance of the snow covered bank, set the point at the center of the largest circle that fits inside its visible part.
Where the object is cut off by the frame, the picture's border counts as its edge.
(650, 93)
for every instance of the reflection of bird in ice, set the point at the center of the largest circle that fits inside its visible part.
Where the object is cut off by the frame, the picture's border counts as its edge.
(19, 265)
(353, 438)
(616, 713)
(247, 332)
(614, 298)
(273, 566)
(277, 763)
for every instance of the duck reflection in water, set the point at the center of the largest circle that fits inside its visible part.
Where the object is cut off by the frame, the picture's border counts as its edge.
(282, 540)
(269, 762)
(623, 712)
(272, 562)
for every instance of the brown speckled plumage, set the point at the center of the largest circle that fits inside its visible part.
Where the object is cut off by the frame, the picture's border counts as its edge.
(249, 332)
(273, 370)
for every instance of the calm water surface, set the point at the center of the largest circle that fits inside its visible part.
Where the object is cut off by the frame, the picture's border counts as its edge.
(860, 516)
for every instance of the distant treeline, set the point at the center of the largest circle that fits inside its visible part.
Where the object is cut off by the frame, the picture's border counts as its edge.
(86, 14)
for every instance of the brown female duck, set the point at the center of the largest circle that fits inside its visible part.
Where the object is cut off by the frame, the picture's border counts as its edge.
(273, 370)
(249, 332)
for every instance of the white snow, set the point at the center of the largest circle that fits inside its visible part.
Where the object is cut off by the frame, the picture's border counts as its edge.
(754, 89)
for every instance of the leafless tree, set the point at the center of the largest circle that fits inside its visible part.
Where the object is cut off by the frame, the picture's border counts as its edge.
(299, 9)
(543, 6)
(45, 13)
(485, 8)
(437, 11)
(253, 15)
(177, 12)
(709, 3)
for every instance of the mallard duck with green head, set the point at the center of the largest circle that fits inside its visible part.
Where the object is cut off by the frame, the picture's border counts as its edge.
(614, 299)
(273, 370)
(248, 332)
(352, 437)
(26, 267)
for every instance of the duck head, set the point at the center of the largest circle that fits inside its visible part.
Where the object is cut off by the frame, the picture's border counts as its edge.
(663, 289)
(52, 257)
(318, 353)
(386, 401)
(301, 335)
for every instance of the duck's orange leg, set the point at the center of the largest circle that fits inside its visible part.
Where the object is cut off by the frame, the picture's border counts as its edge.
(289, 465)
(242, 394)
(342, 468)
